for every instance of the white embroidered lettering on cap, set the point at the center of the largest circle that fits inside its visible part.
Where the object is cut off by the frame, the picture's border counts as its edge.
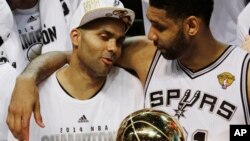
(91, 4)
(90, 10)
(116, 3)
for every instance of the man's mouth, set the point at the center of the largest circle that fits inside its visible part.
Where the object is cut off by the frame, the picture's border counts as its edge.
(108, 61)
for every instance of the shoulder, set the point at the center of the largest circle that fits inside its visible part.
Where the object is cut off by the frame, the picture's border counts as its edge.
(120, 77)
(124, 84)
(120, 74)
(239, 50)
(49, 83)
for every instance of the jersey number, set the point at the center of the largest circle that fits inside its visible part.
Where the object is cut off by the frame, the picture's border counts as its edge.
(199, 135)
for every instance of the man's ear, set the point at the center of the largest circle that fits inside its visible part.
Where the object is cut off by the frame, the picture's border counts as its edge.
(75, 36)
(192, 25)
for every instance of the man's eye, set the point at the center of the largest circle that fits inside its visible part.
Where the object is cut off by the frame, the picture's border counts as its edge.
(159, 27)
(104, 37)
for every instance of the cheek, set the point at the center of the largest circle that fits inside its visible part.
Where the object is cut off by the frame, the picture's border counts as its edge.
(92, 44)
(119, 52)
(166, 39)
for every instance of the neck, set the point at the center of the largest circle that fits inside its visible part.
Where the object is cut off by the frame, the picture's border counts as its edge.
(78, 83)
(22, 4)
(205, 50)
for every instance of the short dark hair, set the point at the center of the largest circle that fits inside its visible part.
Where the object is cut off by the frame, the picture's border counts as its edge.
(181, 9)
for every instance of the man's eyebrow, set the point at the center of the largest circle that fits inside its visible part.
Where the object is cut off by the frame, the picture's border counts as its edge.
(107, 32)
(111, 34)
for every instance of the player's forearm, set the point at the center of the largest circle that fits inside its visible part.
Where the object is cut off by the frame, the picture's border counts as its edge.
(135, 50)
(43, 66)
(131, 47)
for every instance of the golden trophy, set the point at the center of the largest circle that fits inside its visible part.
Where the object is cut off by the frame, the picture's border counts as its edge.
(150, 125)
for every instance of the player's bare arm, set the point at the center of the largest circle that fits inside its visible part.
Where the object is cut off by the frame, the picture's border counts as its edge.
(248, 86)
(137, 55)
(25, 98)
(246, 44)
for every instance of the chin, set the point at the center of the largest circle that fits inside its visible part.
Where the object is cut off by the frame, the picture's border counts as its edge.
(103, 73)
